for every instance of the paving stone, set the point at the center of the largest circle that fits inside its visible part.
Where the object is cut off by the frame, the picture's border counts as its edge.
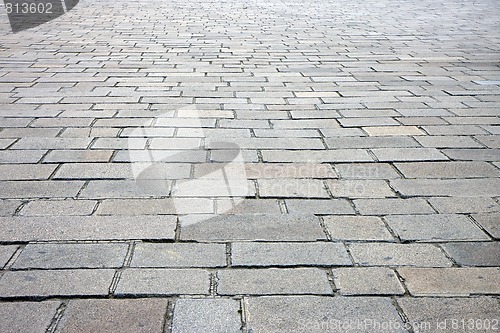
(408, 154)
(114, 315)
(464, 204)
(367, 281)
(357, 228)
(454, 130)
(387, 254)
(447, 170)
(451, 141)
(6, 252)
(489, 221)
(58, 207)
(319, 207)
(26, 171)
(78, 156)
(449, 282)
(4, 143)
(370, 142)
(296, 170)
(53, 283)
(27, 317)
(432, 228)
(56, 228)
(474, 254)
(332, 156)
(155, 282)
(450, 315)
(320, 314)
(247, 206)
(143, 188)
(52, 143)
(473, 154)
(206, 315)
(295, 188)
(287, 227)
(21, 156)
(216, 187)
(392, 130)
(483, 187)
(52, 256)
(360, 188)
(273, 281)
(393, 206)
(179, 255)
(366, 171)
(39, 189)
(289, 254)
(9, 207)
(166, 206)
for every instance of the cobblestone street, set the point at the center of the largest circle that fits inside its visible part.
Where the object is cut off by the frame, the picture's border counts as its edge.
(251, 166)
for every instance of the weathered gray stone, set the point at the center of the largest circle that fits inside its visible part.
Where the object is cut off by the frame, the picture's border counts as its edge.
(153, 282)
(450, 315)
(357, 228)
(143, 188)
(359, 188)
(27, 317)
(367, 281)
(451, 281)
(40, 189)
(53, 283)
(489, 221)
(56, 228)
(321, 314)
(388, 254)
(26, 171)
(319, 207)
(206, 315)
(433, 228)
(155, 206)
(485, 187)
(289, 254)
(58, 207)
(366, 171)
(179, 255)
(255, 227)
(447, 170)
(273, 281)
(464, 204)
(9, 207)
(6, 252)
(408, 154)
(114, 315)
(294, 188)
(393, 206)
(51, 256)
(474, 254)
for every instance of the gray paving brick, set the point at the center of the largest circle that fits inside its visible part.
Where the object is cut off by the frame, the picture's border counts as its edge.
(446, 314)
(464, 204)
(9, 207)
(6, 252)
(273, 281)
(75, 156)
(27, 317)
(52, 143)
(370, 142)
(53, 283)
(392, 206)
(164, 206)
(114, 315)
(447, 141)
(289, 254)
(295, 188)
(364, 228)
(154, 282)
(26, 171)
(489, 221)
(483, 187)
(179, 255)
(366, 171)
(247, 206)
(332, 156)
(21, 156)
(360, 188)
(473, 154)
(474, 254)
(367, 281)
(451, 282)
(58, 207)
(39, 189)
(144, 188)
(408, 154)
(56, 228)
(172, 156)
(387, 254)
(254, 227)
(447, 170)
(392, 130)
(319, 207)
(437, 227)
(318, 314)
(52, 256)
(4, 143)
(206, 315)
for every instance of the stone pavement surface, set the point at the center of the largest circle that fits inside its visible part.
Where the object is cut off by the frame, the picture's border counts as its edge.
(252, 166)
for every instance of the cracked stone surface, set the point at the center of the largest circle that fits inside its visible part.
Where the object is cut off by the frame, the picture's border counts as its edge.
(251, 166)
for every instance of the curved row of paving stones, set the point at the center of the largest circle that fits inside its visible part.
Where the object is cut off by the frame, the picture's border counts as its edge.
(369, 132)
